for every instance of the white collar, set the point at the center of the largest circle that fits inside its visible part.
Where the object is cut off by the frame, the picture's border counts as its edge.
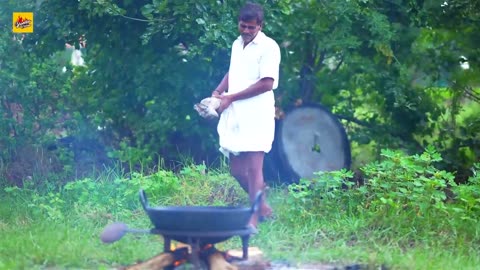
(257, 40)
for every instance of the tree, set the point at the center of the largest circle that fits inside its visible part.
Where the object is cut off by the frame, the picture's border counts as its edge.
(389, 69)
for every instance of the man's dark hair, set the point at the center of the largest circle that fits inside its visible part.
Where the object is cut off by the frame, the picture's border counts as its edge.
(251, 11)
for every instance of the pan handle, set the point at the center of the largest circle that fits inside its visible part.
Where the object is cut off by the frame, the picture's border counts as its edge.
(143, 199)
(256, 203)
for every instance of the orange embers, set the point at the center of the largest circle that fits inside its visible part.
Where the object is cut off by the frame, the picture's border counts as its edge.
(183, 253)
(180, 255)
(178, 263)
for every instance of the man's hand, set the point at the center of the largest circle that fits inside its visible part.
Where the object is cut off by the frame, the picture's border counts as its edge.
(226, 100)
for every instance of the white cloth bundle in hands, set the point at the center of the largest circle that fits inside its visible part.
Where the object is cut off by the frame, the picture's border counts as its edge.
(207, 108)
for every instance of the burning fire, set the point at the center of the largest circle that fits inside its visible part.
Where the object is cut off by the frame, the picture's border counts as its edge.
(181, 253)
(180, 262)
(180, 256)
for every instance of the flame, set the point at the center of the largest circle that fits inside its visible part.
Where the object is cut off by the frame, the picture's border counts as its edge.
(179, 245)
(179, 262)
(180, 253)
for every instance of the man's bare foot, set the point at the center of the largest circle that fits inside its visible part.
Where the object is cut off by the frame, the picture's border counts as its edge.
(252, 226)
(265, 213)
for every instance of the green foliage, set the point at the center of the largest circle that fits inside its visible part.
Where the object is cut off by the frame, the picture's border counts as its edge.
(32, 104)
(207, 186)
(389, 69)
(113, 195)
(49, 205)
(467, 198)
(326, 189)
(317, 221)
(400, 192)
(407, 185)
(131, 155)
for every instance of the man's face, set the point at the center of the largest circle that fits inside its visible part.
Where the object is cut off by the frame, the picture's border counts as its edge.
(248, 30)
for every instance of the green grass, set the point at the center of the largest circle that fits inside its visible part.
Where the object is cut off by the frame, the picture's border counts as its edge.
(59, 228)
(345, 241)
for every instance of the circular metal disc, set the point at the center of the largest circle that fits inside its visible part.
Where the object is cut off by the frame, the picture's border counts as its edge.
(311, 139)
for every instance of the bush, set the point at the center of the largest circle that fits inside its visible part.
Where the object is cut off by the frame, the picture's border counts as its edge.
(403, 193)
(466, 204)
(112, 196)
(403, 184)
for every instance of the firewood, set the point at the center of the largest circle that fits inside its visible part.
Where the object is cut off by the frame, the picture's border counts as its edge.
(156, 263)
(217, 262)
(255, 260)
(254, 253)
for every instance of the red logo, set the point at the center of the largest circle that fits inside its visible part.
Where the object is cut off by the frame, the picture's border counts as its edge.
(23, 22)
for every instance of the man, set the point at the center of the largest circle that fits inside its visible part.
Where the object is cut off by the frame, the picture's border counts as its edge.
(247, 125)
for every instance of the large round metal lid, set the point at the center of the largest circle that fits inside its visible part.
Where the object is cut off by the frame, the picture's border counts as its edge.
(311, 139)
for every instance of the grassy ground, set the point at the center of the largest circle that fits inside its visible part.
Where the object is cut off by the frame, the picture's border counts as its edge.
(59, 228)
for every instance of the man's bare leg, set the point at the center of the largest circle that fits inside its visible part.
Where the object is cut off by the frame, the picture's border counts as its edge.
(238, 170)
(254, 164)
(247, 168)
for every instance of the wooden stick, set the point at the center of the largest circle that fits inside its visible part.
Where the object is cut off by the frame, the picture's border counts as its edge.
(158, 262)
(217, 262)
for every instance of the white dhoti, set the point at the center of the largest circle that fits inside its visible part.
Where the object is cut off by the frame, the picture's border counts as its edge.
(247, 126)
